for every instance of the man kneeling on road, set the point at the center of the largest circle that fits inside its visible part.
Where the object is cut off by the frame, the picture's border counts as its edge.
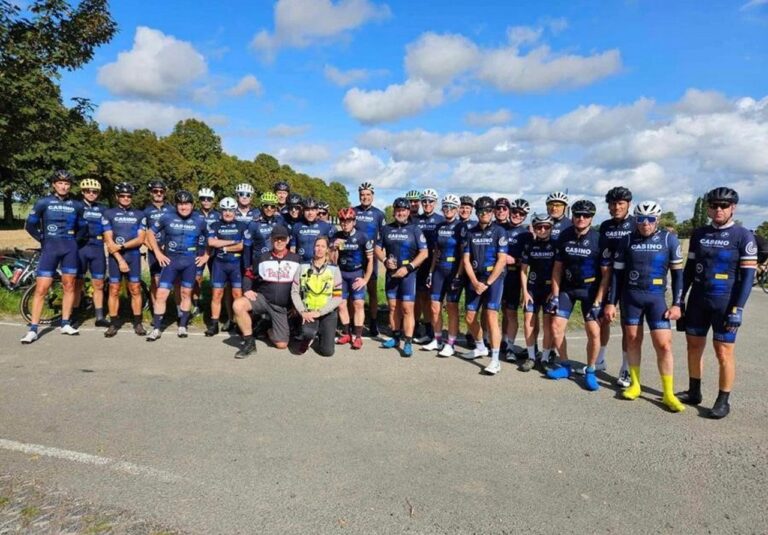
(267, 290)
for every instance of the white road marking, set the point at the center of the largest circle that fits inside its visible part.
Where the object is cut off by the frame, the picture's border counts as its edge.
(87, 458)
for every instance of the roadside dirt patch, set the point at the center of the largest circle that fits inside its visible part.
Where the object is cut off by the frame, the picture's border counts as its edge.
(16, 238)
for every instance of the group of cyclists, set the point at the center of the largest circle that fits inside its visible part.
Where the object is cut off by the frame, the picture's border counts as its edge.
(284, 262)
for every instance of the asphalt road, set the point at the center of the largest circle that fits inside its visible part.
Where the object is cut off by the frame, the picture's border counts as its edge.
(369, 442)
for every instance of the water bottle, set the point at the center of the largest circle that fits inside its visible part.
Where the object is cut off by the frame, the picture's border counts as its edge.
(5, 275)
(18, 270)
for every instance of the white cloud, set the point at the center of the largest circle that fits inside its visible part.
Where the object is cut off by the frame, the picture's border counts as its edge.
(523, 35)
(753, 4)
(349, 77)
(304, 154)
(359, 164)
(300, 23)
(247, 84)
(438, 58)
(500, 116)
(395, 102)
(696, 101)
(158, 66)
(160, 118)
(287, 130)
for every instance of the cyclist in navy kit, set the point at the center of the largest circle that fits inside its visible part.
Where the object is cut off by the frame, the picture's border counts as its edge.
(292, 213)
(152, 211)
(370, 221)
(518, 235)
(722, 258)
(258, 236)
(485, 263)
(414, 201)
(557, 204)
(465, 215)
(124, 233)
(642, 260)
(322, 211)
(581, 273)
(184, 250)
(305, 232)
(56, 221)
(402, 248)
(91, 255)
(427, 223)
(245, 213)
(354, 256)
(205, 196)
(281, 190)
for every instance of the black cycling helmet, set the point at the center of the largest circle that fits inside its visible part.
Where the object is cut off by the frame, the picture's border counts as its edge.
(124, 187)
(584, 207)
(484, 203)
(401, 202)
(183, 196)
(310, 203)
(281, 186)
(294, 199)
(502, 202)
(722, 194)
(619, 193)
(61, 175)
(156, 184)
(522, 205)
(466, 200)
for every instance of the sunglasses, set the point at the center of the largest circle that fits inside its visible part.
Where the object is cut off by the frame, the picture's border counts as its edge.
(501, 208)
(158, 191)
(582, 216)
(449, 207)
(518, 213)
(484, 211)
(322, 212)
(228, 210)
(721, 205)
(542, 227)
(243, 194)
(272, 206)
(91, 191)
(427, 201)
(646, 219)
(206, 199)
(124, 196)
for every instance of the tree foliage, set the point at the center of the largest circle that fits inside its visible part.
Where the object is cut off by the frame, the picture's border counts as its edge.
(762, 230)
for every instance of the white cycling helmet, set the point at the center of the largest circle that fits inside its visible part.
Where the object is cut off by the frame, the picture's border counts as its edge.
(244, 188)
(366, 186)
(648, 208)
(228, 203)
(206, 192)
(557, 196)
(451, 200)
(541, 219)
(428, 194)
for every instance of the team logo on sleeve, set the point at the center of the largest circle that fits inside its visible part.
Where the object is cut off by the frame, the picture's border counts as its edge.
(679, 251)
(751, 248)
(532, 276)
(606, 253)
(634, 275)
(422, 239)
(503, 240)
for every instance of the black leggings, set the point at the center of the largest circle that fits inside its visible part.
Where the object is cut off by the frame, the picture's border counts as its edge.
(324, 328)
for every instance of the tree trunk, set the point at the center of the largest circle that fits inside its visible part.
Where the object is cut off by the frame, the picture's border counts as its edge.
(8, 206)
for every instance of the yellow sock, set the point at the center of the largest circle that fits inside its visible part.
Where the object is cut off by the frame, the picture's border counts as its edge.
(669, 399)
(633, 391)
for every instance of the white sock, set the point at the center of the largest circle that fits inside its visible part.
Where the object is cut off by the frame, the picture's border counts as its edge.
(480, 345)
(601, 355)
(505, 339)
(624, 363)
(495, 354)
(531, 352)
(545, 353)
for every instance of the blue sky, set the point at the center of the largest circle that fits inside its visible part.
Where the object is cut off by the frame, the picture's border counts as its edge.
(491, 97)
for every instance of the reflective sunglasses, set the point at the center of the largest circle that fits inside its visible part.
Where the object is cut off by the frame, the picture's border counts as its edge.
(646, 219)
(91, 191)
(518, 212)
(158, 191)
(272, 206)
(322, 212)
(206, 199)
(542, 227)
(427, 201)
(243, 194)
(582, 216)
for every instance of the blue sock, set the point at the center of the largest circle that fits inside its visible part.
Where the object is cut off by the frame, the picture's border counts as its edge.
(100, 313)
(33, 327)
(64, 322)
(184, 318)
(157, 321)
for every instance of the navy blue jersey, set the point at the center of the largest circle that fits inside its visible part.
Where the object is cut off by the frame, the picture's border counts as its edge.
(354, 249)
(483, 246)
(252, 214)
(613, 232)
(124, 225)
(153, 213)
(232, 231)
(291, 221)
(55, 218)
(369, 221)
(518, 236)
(450, 240)
(718, 253)
(211, 217)
(402, 242)
(183, 235)
(428, 225)
(558, 226)
(92, 214)
(303, 236)
(258, 235)
(646, 260)
(581, 257)
(539, 256)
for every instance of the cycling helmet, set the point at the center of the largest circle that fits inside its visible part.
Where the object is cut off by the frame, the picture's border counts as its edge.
(484, 203)
(502, 202)
(366, 186)
(466, 200)
(522, 205)
(206, 192)
(451, 200)
(428, 195)
(323, 206)
(90, 183)
(61, 175)
(227, 203)
(347, 213)
(182, 196)
(401, 202)
(619, 193)
(124, 188)
(281, 186)
(648, 208)
(310, 203)
(156, 184)
(584, 207)
(557, 196)
(722, 194)
(294, 199)
(413, 195)
(541, 219)
(268, 198)
(244, 188)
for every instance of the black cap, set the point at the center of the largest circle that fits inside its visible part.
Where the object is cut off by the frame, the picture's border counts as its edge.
(279, 231)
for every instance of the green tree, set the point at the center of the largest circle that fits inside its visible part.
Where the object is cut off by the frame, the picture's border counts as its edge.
(762, 230)
(35, 46)
(667, 220)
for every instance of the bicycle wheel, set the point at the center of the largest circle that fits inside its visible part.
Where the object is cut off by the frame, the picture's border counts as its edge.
(52, 304)
(145, 297)
(764, 281)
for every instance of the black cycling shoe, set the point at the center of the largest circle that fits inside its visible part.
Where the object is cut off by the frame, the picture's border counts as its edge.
(213, 329)
(720, 409)
(689, 398)
(111, 331)
(373, 329)
(139, 329)
(246, 350)
(103, 322)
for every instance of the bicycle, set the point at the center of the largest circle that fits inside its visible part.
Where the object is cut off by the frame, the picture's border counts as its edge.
(761, 276)
(17, 270)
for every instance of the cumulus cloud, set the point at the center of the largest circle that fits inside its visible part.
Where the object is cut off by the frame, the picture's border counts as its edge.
(158, 117)
(500, 116)
(696, 101)
(247, 84)
(300, 23)
(349, 77)
(304, 154)
(394, 102)
(157, 66)
(437, 58)
(287, 130)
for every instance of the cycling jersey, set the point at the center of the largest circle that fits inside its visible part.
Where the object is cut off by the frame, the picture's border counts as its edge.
(232, 231)
(449, 243)
(402, 242)
(53, 218)
(717, 254)
(258, 236)
(613, 231)
(646, 260)
(211, 217)
(354, 250)
(539, 256)
(184, 236)
(483, 246)
(291, 221)
(582, 258)
(370, 221)
(92, 214)
(248, 216)
(125, 225)
(303, 237)
(558, 226)
(153, 213)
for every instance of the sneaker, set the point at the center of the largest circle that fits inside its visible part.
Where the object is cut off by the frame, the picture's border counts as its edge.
(422, 340)
(561, 372)
(688, 398)
(111, 331)
(246, 349)
(509, 355)
(407, 349)
(389, 344)
(624, 380)
(139, 329)
(598, 368)
(447, 351)
(493, 368)
(344, 339)
(28, 338)
(181, 332)
(153, 335)
(590, 381)
(540, 365)
(434, 345)
(527, 365)
(474, 354)
(103, 322)
(68, 329)
(357, 343)
(213, 328)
